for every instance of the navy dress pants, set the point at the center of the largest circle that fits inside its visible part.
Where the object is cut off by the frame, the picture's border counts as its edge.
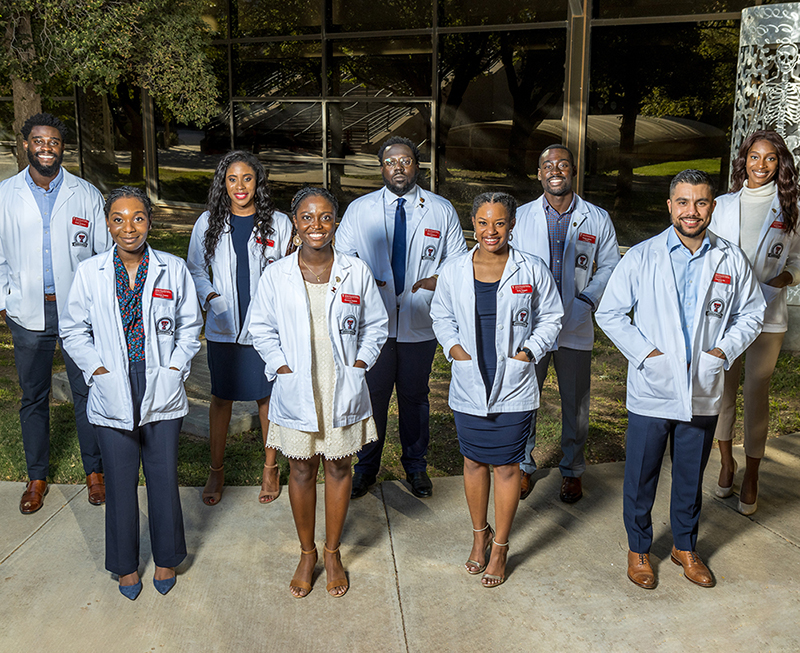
(33, 358)
(407, 366)
(157, 443)
(690, 446)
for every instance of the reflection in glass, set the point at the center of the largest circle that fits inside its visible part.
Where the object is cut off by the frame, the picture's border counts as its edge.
(287, 68)
(215, 15)
(501, 99)
(655, 115)
(479, 12)
(381, 67)
(632, 8)
(287, 177)
(276, 127)
(271, 18)
(367, 15)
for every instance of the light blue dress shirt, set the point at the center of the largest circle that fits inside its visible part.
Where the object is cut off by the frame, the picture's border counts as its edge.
(686, 268)
(46, 200)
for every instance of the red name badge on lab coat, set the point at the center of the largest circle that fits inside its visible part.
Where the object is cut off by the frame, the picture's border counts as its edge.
(162, 293)
(81, 222)
(722, 278)
(521, 290)
(777, 225)
(432, 233)
(587, 238)
(351, 299)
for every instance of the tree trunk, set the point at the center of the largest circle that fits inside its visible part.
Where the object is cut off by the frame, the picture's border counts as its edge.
(27, 101)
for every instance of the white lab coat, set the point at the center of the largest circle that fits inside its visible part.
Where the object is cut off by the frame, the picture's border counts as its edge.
(224, 326)
(280, 324)
(729, 312)
(776, 249)
(91, 329)
(433, 234)
(528, 315)
(77, 232)
(591, 240)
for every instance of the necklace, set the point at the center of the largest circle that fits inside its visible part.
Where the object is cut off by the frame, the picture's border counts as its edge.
(318, 276)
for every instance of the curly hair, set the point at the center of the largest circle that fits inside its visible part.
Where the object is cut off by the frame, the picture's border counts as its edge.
(299, 197)
(785, 180)
(128, 191)
(43, 120)
(218, 204)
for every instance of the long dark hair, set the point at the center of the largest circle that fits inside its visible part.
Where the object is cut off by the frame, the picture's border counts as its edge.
(218, 204)
(785, 179)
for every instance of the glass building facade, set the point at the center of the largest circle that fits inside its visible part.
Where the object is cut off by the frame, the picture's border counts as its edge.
(639, 89)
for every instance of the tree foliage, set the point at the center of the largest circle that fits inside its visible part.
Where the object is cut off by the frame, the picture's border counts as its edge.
(157, 45)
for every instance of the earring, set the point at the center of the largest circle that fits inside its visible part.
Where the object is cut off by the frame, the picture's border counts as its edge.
(296, 241)
(510, 236)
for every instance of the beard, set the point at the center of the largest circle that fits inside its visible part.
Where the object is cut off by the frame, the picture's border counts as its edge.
(45, 171)
(401, 190)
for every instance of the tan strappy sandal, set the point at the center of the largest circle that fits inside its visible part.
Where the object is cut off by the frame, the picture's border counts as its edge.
(212, 498)
(478, 567)
(336, 582)
(269, 496)
(301, 584)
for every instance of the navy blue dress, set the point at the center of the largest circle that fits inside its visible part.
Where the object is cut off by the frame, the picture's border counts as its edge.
(237, 371)
(498, 438)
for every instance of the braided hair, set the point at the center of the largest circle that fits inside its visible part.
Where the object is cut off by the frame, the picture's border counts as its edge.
(299, 198)
(218, 204)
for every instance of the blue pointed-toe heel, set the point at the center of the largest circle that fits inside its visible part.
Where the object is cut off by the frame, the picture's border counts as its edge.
(164, 586)
(131, 591)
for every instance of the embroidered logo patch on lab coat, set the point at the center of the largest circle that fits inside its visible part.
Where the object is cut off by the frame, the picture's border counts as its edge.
(582, 262)
(715, 308)
(349, 324)
(80, 239)
(165, 326)
(429, 253)
(776, 251)
(521, 318)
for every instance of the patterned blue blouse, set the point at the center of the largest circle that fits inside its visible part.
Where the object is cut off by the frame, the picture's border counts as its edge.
(130, 304)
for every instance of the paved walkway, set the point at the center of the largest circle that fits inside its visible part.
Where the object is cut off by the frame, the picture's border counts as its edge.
(566, 588)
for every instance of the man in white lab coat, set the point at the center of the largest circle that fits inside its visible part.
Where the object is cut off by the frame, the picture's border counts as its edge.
(403, 233)
(578, 242)
(50, 220)
(696, 307)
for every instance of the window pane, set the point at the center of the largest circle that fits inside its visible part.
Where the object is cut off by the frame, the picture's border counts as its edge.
(288, 68)
(633, 8)
(287, 177)
(380, 67)
(278, 127)
(652, 116)
(361, 127)
(367, 15)
(479, 12)
(501, 104)
(271, 18)
(8, 158)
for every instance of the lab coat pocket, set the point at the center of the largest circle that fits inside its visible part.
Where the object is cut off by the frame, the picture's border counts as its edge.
(709, 378)
(286, 402)
(107, 396)
(656, 378)
(170, 396)
(462, 384)
(353, 394)
(518, 381)
(770, 292)
(420, 305)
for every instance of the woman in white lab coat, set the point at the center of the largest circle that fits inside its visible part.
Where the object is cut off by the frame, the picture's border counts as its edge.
(319, 323)
(496, 311)
(132, 324)
(232, 243)
(760, 214)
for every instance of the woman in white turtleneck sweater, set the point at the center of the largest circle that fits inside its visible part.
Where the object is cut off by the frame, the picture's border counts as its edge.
(760, 214)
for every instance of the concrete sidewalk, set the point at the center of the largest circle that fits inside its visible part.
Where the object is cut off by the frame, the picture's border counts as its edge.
(566, 587)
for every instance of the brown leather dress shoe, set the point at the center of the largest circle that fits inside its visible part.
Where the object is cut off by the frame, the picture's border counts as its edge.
(571, 489)
(97, 488)
(525, 485)
(693, 567)
(33, 497)
(639, 570)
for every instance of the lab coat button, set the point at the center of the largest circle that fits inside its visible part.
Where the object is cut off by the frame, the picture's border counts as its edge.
(500, 326)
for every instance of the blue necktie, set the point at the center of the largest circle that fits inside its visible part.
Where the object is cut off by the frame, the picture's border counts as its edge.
(399, 248)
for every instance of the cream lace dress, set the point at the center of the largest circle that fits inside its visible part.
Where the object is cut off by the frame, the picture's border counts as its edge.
(329, 441)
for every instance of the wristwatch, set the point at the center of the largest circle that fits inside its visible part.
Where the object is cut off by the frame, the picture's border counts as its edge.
(528, 353)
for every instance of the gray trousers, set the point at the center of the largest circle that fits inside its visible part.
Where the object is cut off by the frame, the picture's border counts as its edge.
(573, 370)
